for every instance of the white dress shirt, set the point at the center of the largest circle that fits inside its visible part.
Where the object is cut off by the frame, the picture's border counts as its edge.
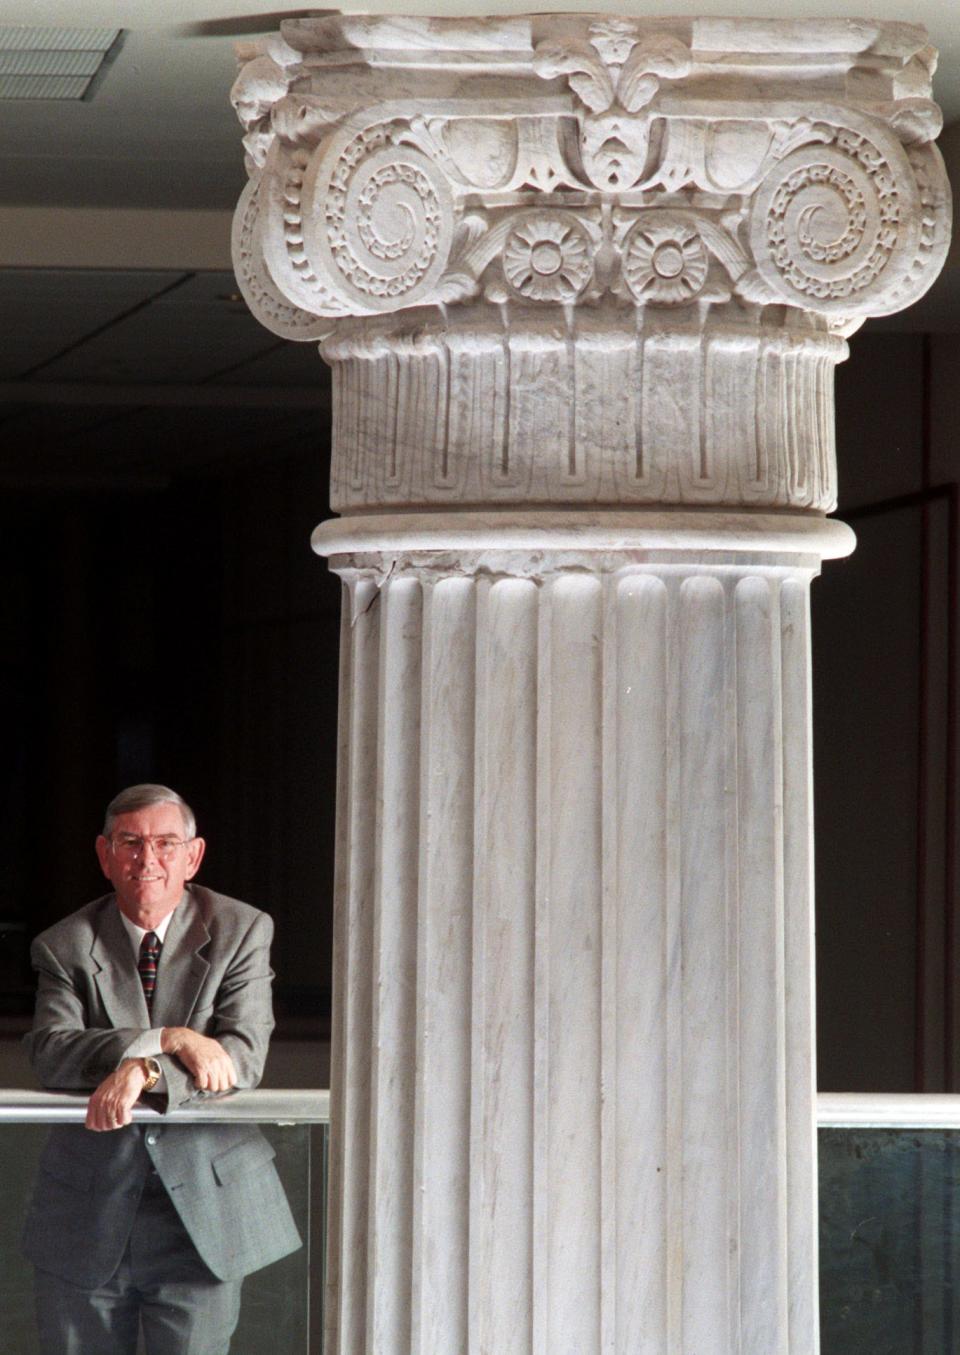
(147, 1045)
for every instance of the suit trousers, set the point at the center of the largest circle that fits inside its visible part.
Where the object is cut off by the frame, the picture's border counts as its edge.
(161, 1284)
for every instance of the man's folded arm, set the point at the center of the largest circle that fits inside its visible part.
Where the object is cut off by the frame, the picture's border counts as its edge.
(65, 1054)
(243, 1017)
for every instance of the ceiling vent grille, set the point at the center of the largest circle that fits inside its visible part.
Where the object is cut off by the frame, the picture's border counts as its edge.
(52, 63)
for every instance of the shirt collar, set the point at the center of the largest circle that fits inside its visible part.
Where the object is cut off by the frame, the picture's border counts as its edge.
(136, 934)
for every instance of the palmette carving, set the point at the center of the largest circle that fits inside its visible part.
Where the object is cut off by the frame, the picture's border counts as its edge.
(615, 75)
(476, 209)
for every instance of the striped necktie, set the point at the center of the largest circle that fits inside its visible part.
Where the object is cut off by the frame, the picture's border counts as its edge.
(147, 965)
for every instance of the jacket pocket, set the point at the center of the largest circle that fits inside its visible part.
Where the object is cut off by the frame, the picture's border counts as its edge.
(242, 1159)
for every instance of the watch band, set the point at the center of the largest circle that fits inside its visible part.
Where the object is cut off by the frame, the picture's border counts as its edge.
(153, 1072)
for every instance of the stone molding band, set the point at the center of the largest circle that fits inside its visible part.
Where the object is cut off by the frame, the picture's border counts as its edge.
(536, 534)
(600, 412)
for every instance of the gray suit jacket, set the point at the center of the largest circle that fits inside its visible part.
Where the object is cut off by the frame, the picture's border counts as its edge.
(214, 976)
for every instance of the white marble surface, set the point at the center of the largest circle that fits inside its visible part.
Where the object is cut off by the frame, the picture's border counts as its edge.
(577, 1090)
(583, 283)
(576, 259)
(597, 412)
(526, 542)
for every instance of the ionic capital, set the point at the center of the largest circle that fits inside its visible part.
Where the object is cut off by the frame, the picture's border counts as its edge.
(574, 159)
(697, 206)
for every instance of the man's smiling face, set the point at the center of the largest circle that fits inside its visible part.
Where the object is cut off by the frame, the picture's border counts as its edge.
(147, 871)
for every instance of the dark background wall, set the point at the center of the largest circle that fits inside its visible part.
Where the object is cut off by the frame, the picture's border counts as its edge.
(180, 630)
(885, 704)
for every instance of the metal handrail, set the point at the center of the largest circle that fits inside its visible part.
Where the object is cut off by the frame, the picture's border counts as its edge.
(888, 1110)
(835, 1110)
(262, 1107)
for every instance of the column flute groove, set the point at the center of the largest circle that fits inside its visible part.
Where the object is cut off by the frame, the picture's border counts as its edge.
(672, 1128)
(583, 281)
(737, 1319)
(394, 962)
(356, 1003)
(799, 979)
(541, 988)
(609, 869)
(642, 951)
(481, 1255)
(333, 1290)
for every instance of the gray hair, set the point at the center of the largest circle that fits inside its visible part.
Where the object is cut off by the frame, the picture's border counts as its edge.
(142, 797)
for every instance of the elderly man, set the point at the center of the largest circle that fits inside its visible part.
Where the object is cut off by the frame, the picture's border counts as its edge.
(161, 987)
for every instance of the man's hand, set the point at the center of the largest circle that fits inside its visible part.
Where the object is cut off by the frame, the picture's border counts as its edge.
(206, 1060)
(111, 1105)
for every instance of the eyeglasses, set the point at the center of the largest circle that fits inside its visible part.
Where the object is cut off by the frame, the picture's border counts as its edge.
(127, 846)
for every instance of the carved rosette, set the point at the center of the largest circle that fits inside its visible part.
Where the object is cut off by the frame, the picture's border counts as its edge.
(665, 260)
(561, 191)
(547, 257)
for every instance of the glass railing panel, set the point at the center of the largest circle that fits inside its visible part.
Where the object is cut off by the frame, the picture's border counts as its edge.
(281, 1306)
(889, 1219)
(889, 1240)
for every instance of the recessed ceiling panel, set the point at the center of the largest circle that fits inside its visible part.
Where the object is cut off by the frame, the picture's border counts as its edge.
(24, 37)
(51, 63)
(43, 86)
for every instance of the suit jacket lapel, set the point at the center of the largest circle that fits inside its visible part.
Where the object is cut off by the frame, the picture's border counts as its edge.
(182, 969)
(117, 979)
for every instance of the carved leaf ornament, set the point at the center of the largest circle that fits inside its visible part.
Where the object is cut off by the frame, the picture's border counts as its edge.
(702, 191)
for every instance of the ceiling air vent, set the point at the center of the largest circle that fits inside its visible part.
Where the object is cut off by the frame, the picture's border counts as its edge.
(52, 63)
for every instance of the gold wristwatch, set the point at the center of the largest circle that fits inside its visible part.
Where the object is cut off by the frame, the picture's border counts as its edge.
(153, 1072)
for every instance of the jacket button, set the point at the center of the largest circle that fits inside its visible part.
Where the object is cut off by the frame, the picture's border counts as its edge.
(152, 1138)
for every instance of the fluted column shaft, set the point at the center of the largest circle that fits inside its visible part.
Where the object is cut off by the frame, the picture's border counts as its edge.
(574, 955)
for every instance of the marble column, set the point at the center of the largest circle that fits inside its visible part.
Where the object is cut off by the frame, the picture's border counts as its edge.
(582, 282)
